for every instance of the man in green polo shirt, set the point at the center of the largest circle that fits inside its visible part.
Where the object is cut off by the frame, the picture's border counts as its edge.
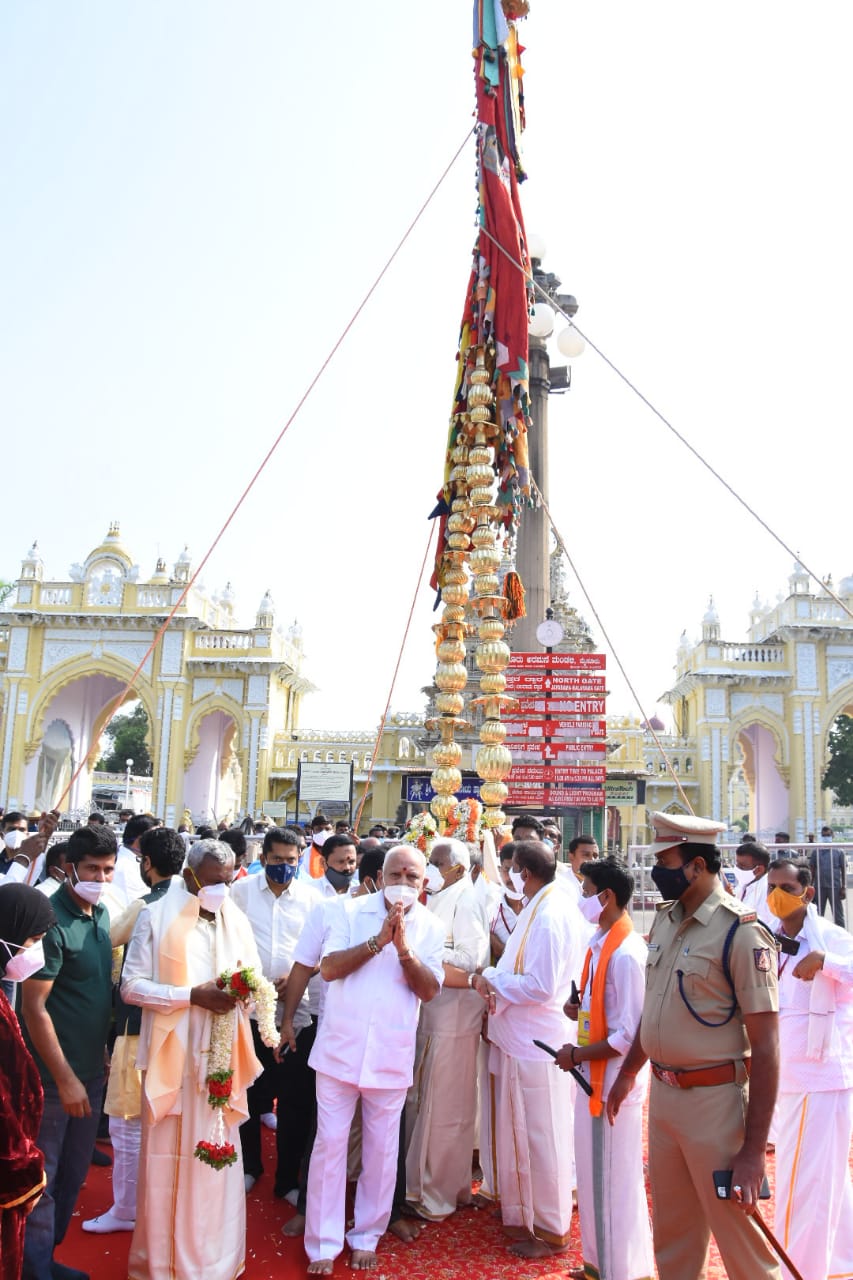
(66, 1008)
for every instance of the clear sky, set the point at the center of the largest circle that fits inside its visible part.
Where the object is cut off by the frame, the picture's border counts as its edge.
(196, 196)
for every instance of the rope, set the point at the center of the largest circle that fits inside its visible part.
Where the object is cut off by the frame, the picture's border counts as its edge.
(119, 700)
(432, 525)
(795, 555)
(625, 676)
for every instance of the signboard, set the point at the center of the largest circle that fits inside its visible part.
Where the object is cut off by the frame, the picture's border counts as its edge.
(620, 791)
(532, 797)
(558, 682)
(543, 729)
(523, 774)
(555, 752)
(538, 707)
(554, 661)
(585, 708)
(317, 783)
(417, 788)
(275, 808)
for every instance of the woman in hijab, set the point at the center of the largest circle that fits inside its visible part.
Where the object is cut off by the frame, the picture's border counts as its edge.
(25, 916)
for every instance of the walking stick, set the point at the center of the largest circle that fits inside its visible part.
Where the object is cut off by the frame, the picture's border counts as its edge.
(774, 1244)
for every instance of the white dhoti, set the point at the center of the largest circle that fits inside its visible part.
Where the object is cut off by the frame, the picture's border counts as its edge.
(814, 1191)
(325, 1211)
(534, 1143)
(191, 1219)
(442, 1104)
(616, 1236)
(487, 1100)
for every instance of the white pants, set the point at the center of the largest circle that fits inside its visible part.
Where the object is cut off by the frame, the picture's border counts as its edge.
(814, 1191)
(325, 1210)
(126, 1136)
(616, 1236)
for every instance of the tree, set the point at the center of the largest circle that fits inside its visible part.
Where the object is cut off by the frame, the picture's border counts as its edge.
(127, 735)
(839, 774)
(6, 589)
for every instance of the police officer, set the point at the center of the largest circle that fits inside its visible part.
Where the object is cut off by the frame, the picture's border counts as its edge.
(710, 1028)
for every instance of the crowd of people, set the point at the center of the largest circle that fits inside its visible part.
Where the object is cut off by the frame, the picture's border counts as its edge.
(440, 1021)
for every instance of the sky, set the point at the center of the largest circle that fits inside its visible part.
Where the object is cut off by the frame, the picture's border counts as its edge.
(197, 197)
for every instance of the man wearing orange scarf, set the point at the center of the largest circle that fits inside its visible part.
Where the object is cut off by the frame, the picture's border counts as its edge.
(615, 1233)
(191, 1218)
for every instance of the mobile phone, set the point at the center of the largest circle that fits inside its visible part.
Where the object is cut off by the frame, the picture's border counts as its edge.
(731, 877)
(788, 946)
(723, 1185)
(576, 999)
(370, 885)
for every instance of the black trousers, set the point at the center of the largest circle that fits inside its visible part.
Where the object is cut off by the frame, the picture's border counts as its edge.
(289, 1083)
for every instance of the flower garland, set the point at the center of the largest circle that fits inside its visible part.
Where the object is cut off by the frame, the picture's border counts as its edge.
(422, 832)
(465, 821)
(244, 984)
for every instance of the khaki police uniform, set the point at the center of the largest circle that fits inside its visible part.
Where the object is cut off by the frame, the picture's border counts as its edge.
(697, 1130)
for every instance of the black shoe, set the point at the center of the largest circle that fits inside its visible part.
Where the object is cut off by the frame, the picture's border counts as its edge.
(59, 1271)
(103, 1161)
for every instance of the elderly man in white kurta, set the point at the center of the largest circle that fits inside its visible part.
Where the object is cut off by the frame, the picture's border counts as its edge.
(814, 1107)
(525, 993)
(382, 957)
(191, 1218)
(442, 1103)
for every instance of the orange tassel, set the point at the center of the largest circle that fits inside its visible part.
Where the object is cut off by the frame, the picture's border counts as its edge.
(514, 594)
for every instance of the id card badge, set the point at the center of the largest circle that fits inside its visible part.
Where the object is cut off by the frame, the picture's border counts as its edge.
(583, 1027)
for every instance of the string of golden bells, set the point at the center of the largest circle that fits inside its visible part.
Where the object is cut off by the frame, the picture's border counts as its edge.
(472, 544)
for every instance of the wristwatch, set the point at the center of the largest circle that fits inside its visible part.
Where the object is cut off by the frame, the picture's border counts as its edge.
(373, 945)
(471, 977)
(408, 954)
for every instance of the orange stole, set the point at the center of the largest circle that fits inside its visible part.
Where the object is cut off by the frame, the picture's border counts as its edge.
(597, 1011)
(316, 865)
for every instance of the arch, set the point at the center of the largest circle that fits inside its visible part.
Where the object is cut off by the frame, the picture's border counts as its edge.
(763, 742)
(55, 765)
(213, 702)
(767, 720)
(841, 704)
(213, 779)
(82, 669)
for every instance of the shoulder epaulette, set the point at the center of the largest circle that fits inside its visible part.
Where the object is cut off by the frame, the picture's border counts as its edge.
(664, 906)
(746, 915)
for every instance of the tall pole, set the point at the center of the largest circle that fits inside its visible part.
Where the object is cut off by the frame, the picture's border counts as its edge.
(533, 559)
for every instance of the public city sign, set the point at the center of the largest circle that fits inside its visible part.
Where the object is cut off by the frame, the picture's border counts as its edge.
(543, 729)
(553, 752)
(558, 683)
(554, 661)
(589, 774)
(532, 797)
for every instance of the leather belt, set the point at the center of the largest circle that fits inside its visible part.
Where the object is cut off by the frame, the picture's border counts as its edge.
(700, 1077)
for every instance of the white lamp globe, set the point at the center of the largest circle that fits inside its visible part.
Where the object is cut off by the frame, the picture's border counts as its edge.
(541, 322)
(535, 246)
(570, 343)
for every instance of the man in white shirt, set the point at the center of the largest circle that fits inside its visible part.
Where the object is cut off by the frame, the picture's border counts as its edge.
(22, 857)
(383, 956)
(814, 1107)
(127, 882)
(524, 994)
(277, 903)
(614, 1215)
(442, 1103)
(338, 860)
(752, 860)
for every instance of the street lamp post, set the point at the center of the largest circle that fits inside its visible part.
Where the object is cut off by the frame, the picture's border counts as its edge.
(533, 560)
(129, 766)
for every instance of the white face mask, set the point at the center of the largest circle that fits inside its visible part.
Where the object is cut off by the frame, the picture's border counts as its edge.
(517, 883)
(433, 880)
(89, 890)
(513, 895)
(14, 839)
(212, 896)
(404, 893)
(320, 837)
(591, 908)
(27, 962)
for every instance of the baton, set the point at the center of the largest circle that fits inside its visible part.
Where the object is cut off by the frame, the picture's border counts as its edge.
(579, 1079)
(774, 1243)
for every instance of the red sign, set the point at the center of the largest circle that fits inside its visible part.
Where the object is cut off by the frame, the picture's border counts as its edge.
(523, 774)
(563, 798)
(585, 707)
(543, 729)
(560, 685)
(551, 661)
(556, 707)
(555, 752)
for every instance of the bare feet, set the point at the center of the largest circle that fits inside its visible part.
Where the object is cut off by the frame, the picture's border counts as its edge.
(405, 1231)
(479, 1201)
(296, 1227)
(363, 1260)
(537, 1249)
(322, 1267)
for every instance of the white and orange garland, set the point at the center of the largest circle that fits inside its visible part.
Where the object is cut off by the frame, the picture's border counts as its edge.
(246, 985)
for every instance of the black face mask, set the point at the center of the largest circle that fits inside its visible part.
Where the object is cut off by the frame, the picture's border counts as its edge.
(339, 880)
(672, 884)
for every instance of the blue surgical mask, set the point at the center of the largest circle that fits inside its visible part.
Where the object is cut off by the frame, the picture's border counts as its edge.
(281, 872)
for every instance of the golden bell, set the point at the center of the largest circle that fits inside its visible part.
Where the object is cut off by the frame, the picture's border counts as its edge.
(494, 792)
(493, 763)
(449, 704)
(451, 677)
(445, 781)
(492, 731)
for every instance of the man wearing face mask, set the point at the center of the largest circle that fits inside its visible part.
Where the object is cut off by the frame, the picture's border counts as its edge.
(383, 956)
(814, 1110)
(162, 856)
(442, 1103)
(22, 854)
(751, 860)
(312, 860)
(191, 1218)
(710, 1029)
(524, 994)
(24, 917)
(614, 1214)
(277, 904)
(66, 1009)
